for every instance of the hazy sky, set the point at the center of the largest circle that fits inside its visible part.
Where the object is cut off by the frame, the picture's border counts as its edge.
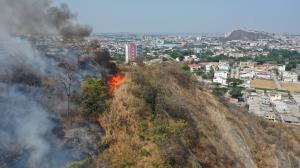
(191, 16)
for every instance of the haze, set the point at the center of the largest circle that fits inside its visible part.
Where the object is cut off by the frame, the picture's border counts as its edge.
(189, 16)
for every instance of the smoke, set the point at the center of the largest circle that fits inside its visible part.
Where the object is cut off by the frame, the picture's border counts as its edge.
(103, 58)
(26, 139)
(31, 92)
(30, 108)
(25, 122)
(39, 17)
(16, 53)
(75, 31)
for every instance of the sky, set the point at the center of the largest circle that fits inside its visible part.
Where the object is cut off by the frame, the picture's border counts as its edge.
(187, 16)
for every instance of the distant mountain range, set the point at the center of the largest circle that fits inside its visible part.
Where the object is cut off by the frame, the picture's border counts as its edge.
(246, 35)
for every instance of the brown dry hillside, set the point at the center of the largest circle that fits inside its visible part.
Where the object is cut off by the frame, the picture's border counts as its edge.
(161, 117)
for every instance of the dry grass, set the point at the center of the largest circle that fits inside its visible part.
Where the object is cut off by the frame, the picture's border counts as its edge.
(263, 84)
(121, 126)
(292, 87)
(215, 134)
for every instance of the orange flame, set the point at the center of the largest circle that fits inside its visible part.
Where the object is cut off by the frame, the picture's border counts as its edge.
(115, 82)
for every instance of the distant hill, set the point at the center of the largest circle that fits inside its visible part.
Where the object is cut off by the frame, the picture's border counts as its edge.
(245, 35)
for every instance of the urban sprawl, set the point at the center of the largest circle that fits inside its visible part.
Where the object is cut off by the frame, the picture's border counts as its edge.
(259, 73)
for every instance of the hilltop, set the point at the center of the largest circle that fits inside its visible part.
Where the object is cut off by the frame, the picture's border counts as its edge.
(161, 117)
(245, 35)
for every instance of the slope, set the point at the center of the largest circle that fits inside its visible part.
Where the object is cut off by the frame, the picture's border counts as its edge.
(161, 117)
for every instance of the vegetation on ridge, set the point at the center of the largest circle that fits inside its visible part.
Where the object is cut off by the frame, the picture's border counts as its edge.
(161, 117)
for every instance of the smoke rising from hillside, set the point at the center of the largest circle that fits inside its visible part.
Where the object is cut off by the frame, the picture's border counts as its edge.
(27, 108)
(16, 54)
(25, 124)
(39, 17)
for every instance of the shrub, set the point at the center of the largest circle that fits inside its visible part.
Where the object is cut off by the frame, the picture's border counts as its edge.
(94, 96)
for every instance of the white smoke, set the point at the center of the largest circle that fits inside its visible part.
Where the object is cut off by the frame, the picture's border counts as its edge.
(16, 53)
(26, 123)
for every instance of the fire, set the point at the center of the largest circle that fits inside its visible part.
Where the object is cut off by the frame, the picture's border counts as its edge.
(115, 81)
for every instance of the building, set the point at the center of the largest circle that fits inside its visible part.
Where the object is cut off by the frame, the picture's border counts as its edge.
(281, 68)
(208, 66)
(220, 80)
(220, 77)
(298, 69)
(263, 75)
(194, 67)
(287, 76)
(248, 64)
(221, 74)
(223, 66)
(134, 53)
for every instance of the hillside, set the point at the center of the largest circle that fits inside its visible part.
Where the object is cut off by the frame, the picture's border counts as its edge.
(160, 117)
(245, 35)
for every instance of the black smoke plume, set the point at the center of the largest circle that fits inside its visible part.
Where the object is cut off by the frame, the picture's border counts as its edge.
(39, 17)
(103, 58)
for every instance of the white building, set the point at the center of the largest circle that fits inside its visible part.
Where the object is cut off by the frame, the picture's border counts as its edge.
(281, 68)
(248, 64)
(222, 81)
(207, 66)
(263, 74)
(223, 66)
(275, 97)
(221, 74)
(246, 74)
(281, 107)
(221, 77)
(287, 76)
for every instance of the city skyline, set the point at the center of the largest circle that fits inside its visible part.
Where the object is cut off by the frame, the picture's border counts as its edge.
(115, 16)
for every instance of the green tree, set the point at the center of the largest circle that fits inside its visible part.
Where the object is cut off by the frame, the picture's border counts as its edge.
(211, 73)
(235, 88)
(185, 68)
(176, 54)
(220, 91)
(94, 96)
(236, 92)
(233, 82)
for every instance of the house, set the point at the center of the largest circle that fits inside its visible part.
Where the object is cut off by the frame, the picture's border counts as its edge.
(207, 66)
(194, 67)
(263, 74)
(281, 68)
(246, 74)
(221, 77)
(221, 74)
(265, 100)
(265, 67)
(188, 59)
(248, 64)
(281, 107)
(272, 117)
(222, 81)
(275, 97)
(223, 66)
(290, 119)
(287, 76)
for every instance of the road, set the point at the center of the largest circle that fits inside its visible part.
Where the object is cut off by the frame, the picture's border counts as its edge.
(277, 83)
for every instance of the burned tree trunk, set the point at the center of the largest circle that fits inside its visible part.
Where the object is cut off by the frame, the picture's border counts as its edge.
(67, 80)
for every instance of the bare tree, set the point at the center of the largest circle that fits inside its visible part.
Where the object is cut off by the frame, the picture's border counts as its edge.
(67, 79)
